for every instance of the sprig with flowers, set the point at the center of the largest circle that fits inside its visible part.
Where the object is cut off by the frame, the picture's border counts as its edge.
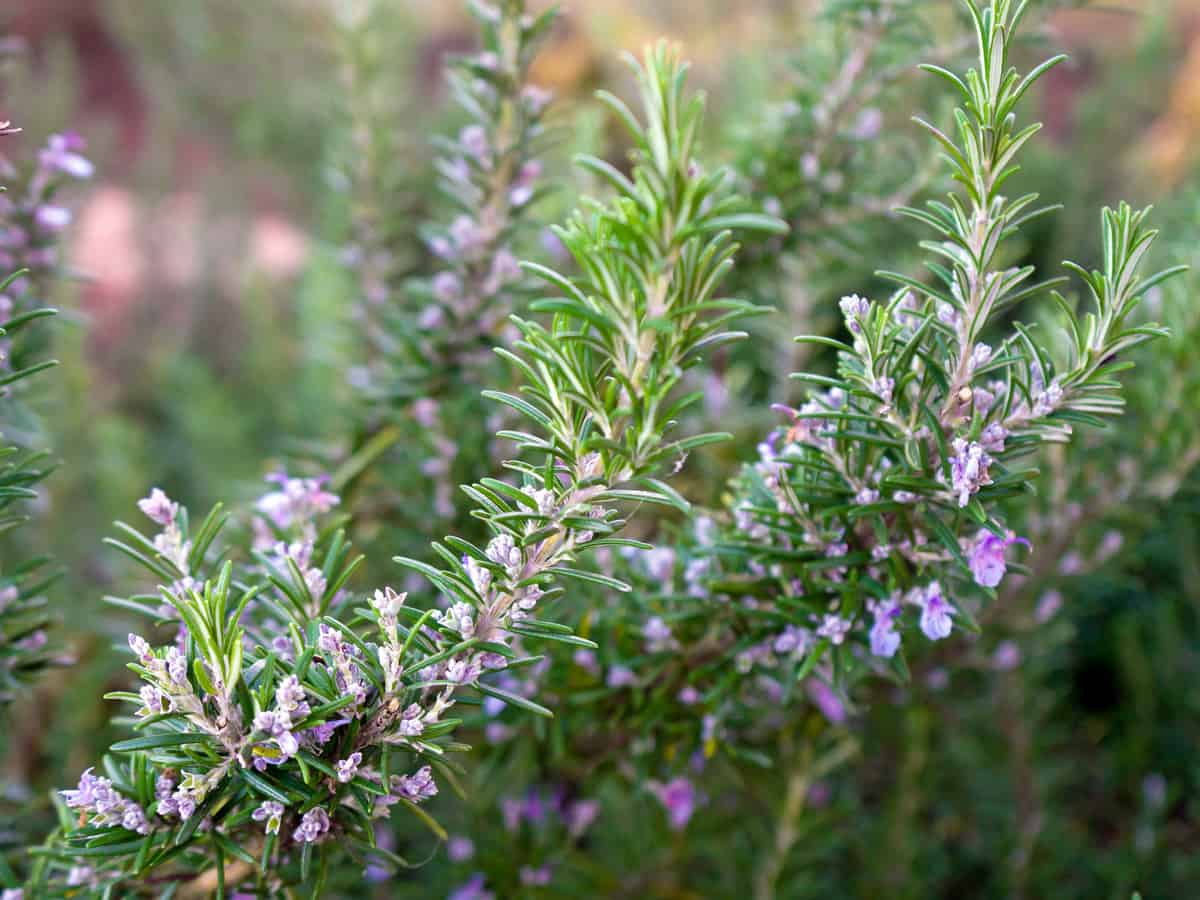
(876, 521)
(431, 336)
(261, 759)
(32, 221)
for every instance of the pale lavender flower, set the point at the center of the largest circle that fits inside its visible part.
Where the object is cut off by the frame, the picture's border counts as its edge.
(411, 724)
(1007, 656)
(580, 815)
(794, 640)
(1048, 606)
(992, 438)
(475, 889)
(321, 733)
(460, 848)
(474, 141)
(297, 502)
(986, 556)
(885, 640)
(51, 219)
(417, 786)
(884, 387)
(586, 660)
(620, 676)
(979, 357)
(277, 725)
(271, 812)
(826, 701)
(868, 124)
(446, 287)
(63, 153)
(481, 576)
(969, 469)
(1070, 564)
(503, 551)
(866, 496)
(1110, 544)
(141, 648)
(290, 697)
(347, 768)
(536, 98)
(522, 191)
(678, 797)
(658, 635)
(461, 670)
(834, 628)
(1047, 401)
(855, 310)
(535, 877)
(936, 612)
(96, 797)
(159, 507)
(313, 824)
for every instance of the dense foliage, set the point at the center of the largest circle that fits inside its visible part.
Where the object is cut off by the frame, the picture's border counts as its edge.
(560, 585)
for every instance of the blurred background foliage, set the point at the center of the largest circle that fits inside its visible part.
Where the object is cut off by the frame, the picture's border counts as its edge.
(212, 326)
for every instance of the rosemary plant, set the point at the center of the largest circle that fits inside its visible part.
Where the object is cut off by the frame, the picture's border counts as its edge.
(431, 336)
(877, 518)
(32, 220)
(287, 717)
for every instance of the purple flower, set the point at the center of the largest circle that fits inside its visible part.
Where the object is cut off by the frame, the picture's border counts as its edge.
(536, 98)
(580, 815)
(979, 357)
(474, 141)
(473, 890)
(885, 640)
(271, 812)
(657, 634)
(446, 287)
(62, 154)
(620, 676)
(968, 469)
(835, 628)
(993, 437)
(678, 798)
(460, 848)
(347, 768)
(987, 556)
(141, 648)
(290, 697)
(313, 824)
(866, 496)
(536, 877)
(320, 733)
(1007, 656)
(1047, 607)
(159, 507)
(855, 310)
(935, 612)
(826, 700)
(417, 786)
(52, 219)
(96, 797)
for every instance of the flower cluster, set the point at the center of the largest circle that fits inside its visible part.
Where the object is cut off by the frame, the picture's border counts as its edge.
(103, 805)
(275, 711)
(432, 338)
(877, 516)
(33, 218)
